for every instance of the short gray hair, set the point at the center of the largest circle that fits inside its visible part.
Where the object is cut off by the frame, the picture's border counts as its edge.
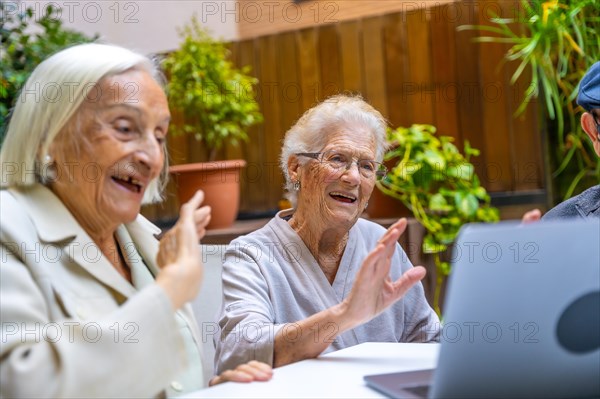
(311, 132)
(52, 96)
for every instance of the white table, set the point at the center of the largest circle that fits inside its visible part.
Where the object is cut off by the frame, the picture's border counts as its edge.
(334, 375)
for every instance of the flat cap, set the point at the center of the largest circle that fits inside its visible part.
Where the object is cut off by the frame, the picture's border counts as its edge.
(589, 88)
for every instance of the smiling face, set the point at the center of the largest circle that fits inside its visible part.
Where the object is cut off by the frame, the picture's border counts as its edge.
(336, 197)
(111, 150)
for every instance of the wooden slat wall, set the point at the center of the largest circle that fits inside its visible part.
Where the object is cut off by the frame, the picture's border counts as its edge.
(351, 51)
(267, 17)
(497, 130)
(468, 86)
(414, 67)
(445, 75)
(528, 161)
(395, 65)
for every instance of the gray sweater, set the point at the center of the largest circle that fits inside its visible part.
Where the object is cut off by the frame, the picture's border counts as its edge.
(270, 278)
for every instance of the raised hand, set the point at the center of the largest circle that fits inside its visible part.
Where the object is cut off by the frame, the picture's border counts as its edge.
(201, 219)
(179, 256)
(373, 290)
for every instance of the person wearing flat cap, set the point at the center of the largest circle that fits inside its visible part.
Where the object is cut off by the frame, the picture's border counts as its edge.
(586, 204)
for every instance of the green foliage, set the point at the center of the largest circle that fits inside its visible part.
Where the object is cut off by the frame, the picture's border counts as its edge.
(439, 185)
(216, 100)
(23, 50)
(561, 40)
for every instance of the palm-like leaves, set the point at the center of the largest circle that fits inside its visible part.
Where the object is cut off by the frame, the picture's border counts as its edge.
(561, 40)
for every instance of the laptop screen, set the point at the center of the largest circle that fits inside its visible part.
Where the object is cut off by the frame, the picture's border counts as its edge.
(522, 314)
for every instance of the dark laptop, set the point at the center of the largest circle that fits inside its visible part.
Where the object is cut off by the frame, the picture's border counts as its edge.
(522, 316)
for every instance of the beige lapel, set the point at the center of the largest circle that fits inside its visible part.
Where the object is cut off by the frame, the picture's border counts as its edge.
(55, 224)
(142, 234)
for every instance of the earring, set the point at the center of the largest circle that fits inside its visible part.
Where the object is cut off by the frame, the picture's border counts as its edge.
(48, 171)
(297, 185)
(366, 205)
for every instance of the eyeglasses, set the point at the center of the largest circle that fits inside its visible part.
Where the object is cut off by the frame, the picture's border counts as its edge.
(368, 168)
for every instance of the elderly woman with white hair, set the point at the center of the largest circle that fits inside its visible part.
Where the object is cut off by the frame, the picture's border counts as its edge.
(318, 277)
(91, 303)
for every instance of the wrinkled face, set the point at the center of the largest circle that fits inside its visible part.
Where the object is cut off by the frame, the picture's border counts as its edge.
(338, 197)
(111, 150)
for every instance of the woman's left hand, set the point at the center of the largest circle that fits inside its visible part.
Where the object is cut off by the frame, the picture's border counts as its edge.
(247, 372)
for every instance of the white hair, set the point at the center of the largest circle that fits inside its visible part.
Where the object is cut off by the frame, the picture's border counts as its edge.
(52, 96)
(312, 131)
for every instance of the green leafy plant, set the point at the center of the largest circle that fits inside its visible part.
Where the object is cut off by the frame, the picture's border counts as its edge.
(23, 50)
(216, 100)
(439, 185)
(558, 41)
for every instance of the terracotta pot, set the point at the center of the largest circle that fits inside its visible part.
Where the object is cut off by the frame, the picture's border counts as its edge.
(220, 181)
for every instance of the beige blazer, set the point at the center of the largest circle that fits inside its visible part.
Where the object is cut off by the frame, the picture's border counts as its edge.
(71, 325)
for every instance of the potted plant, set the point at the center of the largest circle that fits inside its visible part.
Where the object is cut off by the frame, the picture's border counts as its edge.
(439, 185)
(216, 104)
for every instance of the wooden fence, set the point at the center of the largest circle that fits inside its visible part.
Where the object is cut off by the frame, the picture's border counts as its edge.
(413, 66)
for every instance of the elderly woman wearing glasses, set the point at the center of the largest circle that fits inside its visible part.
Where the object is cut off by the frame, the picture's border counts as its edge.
(318, 277)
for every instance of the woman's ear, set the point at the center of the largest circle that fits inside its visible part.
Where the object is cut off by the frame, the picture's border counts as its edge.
(588, 124)
(293, 166)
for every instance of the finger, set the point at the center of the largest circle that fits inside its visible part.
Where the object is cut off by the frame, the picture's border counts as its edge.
(187, 209)
(255, 372)
(400, 225)
(186, 223)
(186, 226)
(237, 376)
(201, 214)
(395, 231)
(262, 366)
(221, 378)
(371, 268)
(408, 279)
(389, 242)
(202, 217)
(215, 381)
(385, 261)
(373, 257)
